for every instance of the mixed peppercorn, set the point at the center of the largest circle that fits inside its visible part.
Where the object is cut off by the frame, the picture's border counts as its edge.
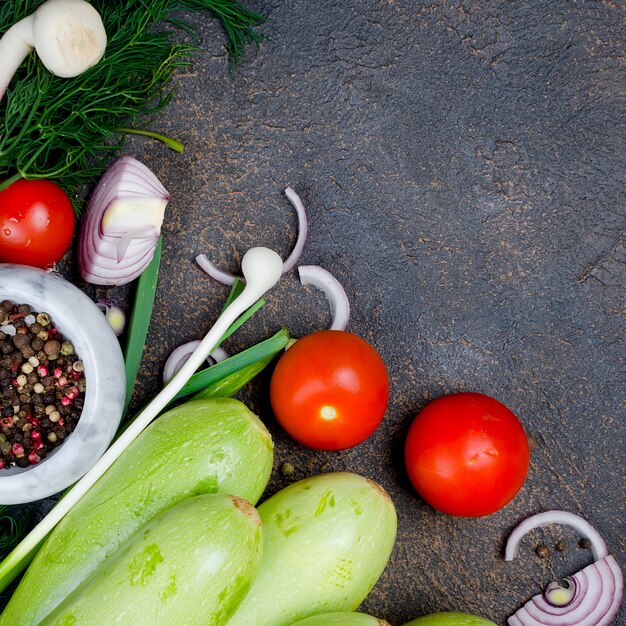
(42, 386)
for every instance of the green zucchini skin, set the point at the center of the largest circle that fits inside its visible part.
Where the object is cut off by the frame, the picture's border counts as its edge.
(342, 619)
(190, 565)
(326, 542)
(203, 446)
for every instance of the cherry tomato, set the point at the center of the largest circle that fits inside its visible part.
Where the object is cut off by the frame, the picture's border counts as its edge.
(330, 390)
(467, 454)
(36, 223)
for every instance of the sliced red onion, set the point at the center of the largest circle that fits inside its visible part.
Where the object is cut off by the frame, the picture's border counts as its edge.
(179, 357)
(322, 279)
(114, 315)
(593, 596)
(122, 224)
(227, 278)
(213, 271)
(303, 229)
(598, 547)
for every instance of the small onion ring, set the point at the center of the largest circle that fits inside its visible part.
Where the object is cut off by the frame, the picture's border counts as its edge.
(205, 264)
(179, 357)
(303, 229)
(322, 279)
(598, 546)
(226, 278)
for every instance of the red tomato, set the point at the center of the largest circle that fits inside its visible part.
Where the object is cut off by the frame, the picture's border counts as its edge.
(467, 454)
(330, 390)
(36, 223)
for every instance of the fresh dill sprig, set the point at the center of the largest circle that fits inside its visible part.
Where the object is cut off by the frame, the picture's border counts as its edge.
(62, 129)
(11, 529)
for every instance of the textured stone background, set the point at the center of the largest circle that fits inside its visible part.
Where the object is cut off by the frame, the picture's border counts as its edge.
(462, 165)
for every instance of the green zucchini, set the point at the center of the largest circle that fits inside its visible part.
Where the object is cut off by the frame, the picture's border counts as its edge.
(326, 541)
(203, 446)
(190, 565)
(342, 619)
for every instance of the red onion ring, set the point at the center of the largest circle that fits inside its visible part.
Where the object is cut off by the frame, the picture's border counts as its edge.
(226, 278)
(598, 588)
(322, 279)
(205, 264)
(179, 357)
(598, 546)
(303, 229)
(119, 252)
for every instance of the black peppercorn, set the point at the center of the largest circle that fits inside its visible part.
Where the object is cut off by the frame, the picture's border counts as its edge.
(39, 392)
(542, 551)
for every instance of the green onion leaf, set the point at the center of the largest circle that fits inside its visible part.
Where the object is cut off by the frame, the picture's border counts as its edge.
(267, 349)
(140, 321)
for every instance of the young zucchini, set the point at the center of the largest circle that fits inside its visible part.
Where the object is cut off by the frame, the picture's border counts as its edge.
(190, 565)
(203, 446)
(326, 541)
(342, 619)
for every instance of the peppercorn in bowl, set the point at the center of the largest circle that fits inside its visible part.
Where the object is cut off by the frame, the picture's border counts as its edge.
(62, 384)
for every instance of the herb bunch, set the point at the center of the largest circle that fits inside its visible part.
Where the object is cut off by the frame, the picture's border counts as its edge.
(62, 129)
(12, 529)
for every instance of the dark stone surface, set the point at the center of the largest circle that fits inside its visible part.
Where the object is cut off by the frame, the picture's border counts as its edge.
(462, 166)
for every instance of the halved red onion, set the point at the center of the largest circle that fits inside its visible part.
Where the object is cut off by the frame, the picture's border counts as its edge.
(594, 594)
(114, 315)
(179, 357)
(122, 223)
(322, 279)
(227, 278)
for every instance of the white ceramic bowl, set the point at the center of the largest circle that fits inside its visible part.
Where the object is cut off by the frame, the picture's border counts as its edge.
(82, 323)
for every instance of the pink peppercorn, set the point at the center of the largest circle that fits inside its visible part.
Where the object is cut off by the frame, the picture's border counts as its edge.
(35, 435)
(61, 422)
(6, 422)
(33, 458)
(58, 372)
(17, 449)
(38, 446)
(42, 370)
(65, 401)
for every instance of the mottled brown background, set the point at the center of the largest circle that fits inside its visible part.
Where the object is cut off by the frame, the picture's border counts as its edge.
(462, 165)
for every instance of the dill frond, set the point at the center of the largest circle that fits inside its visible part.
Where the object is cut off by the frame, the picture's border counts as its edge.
(12, 529)
(63, 129)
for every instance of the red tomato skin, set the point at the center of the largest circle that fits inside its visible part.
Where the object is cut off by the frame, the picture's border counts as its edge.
(335, 370)
(467, 454)
(36, 223)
